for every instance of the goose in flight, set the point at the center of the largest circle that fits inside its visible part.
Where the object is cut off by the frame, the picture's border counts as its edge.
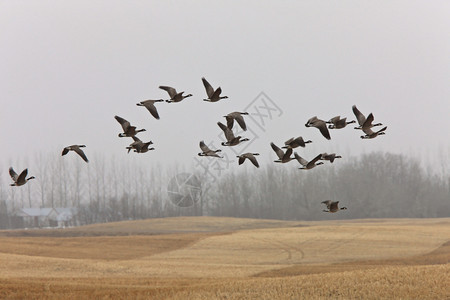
(128, 130)
(250, 156)
(283, 157)
(338, 123)
(206, 151)
(308, 165)
(150, 105)
(77, 149)
(332, 206)
(370, 134)
(19, 179)
(213, 95)
(364, 122)
(231, 139)
(174, 96)
(139, 146)
(294, 143)
(331, 157)
(238, 116)
(319, 124)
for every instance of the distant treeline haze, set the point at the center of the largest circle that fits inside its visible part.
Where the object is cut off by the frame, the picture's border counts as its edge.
(376, 185)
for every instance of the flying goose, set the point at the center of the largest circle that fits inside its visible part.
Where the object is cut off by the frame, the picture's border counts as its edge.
(308, 165)
(231, 139)
(213, 95)
(338, 123)
(19, 179)
(206, 151)
(283, 157)
(77, 149)
(319, 124)
(238, 116)
(331, 157)
(249, 156)
(332, 206)
(294, 143)
(150, 105)
(139, 146)
(174, 96)
(373, 134)
(362, 120)
(128, 130)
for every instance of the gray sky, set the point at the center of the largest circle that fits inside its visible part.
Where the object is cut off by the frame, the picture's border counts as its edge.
(67, 67)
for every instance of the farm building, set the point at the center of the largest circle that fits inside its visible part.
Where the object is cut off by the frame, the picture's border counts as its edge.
(47, 216)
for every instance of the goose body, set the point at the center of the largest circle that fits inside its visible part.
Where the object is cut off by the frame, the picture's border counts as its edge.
(206, 151)
(308, 165)
(19, 179)
(231, 139)
(250, 156)
(297, 142)
(128, 130)
(77, 149)
(338, 123)
(332, 206)
(319, 124)
(283, 157)
(213, 95)
(238, 116)
(174, 96)
(370, 134)
(364, 123)
(150, 105)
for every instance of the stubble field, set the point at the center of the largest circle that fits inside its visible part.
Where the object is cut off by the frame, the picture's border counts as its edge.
(229, 258)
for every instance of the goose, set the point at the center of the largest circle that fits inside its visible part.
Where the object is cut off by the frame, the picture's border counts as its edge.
(206, 151)
(150, 105)
(128, 130)
(174, 96)
(308, 165)
(231, 139)
(332, 206)
(338, 123)
(331, 157)
(238, 116)
(362, 120)
(77, 149)
(139, 146)
(319, 124)
(249, 156)
(19, 179)
(294, 143)
(213, 95)
(373, 134)
(283, 157)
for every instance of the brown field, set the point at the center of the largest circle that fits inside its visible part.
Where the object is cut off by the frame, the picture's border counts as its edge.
(229, 258)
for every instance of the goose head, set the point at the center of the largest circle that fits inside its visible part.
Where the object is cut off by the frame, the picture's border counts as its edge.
(319, 163)
(308, 141)
(188, 95)
(255, 153)
(243, 140)
(32, 177)
(352, 121)
(224, 144)
(218, 150)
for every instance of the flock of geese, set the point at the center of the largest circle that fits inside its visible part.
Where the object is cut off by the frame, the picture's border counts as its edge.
(213, 95)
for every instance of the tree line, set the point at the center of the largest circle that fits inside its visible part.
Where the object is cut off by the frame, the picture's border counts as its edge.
(375, 185)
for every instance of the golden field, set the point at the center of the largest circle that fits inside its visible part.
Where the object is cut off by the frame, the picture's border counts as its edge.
(229, 258)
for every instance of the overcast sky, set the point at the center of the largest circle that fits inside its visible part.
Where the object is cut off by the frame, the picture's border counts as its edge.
(67, 67)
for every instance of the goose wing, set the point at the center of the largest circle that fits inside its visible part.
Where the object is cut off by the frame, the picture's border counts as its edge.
(124, 123)
(13, 174)
(334, 120)
(22, 176)
(278, 151)
(204, 148)
(368, 121)
(322, 126)
(289, 141)
(315, 159)
(65, 151)
(300, 159)
(209, 89)
(327, 203)
(80, 153)
(359, 116)
(172, 92)
(287, 154)
(252, 158)
(227, 131)
(241, 159)
(230, 121)
(240, 119)
(382, 129)
(150, 105)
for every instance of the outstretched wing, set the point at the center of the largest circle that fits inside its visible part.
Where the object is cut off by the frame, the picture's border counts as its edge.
(204, 148)
(150, 105)
(327, 203)
(13, 174)
(208, 87)
(65, 151)
(81, 153)
(22, 176)
(172, 92)
(277, 150)
(252, 158)
(300, 159)
(124, 123)
(315, 159)
(228, 133)
(240, 119)
(359, 116)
